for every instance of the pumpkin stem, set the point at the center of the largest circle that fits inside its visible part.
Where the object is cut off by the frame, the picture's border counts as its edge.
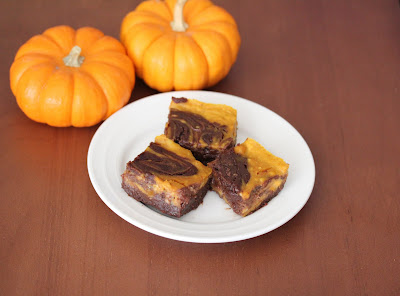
(73, 59)
(178, 24)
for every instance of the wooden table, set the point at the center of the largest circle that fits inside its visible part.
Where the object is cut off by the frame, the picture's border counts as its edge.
(331, 68)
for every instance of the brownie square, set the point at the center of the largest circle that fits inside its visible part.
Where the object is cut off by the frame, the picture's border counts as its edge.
(248, 176)
(203, 128)
(167, 177)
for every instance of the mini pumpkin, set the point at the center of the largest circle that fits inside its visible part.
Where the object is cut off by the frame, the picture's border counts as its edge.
(179, 44)
(67, 77)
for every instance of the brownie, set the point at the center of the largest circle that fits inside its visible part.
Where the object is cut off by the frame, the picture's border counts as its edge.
(167, 177)
(203, 128)
(247, 176)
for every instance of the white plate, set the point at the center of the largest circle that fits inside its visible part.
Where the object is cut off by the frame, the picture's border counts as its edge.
(130, 130)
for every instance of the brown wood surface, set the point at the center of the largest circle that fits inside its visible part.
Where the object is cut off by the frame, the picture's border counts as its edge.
(331, 68)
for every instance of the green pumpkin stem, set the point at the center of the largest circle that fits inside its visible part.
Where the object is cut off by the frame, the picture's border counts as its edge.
(73, 59)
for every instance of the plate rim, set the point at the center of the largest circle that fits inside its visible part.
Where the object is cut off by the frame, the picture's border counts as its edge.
(181, 237)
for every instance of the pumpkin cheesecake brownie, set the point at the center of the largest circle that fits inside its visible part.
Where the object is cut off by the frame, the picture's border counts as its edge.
(205, 129)
(248, 176)
(167, 177)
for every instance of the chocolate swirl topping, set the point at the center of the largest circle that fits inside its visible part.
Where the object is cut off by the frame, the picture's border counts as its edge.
(163, 162)
(179, 100)
(186, 127)
(233, 168)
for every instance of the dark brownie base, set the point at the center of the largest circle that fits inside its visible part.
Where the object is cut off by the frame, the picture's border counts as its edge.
(192, 201)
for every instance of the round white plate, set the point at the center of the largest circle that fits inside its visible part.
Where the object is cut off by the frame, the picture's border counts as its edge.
(130, 130)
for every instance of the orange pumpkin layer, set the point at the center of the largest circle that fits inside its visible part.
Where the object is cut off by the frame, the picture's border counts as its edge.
(67, 77)
(180, 45)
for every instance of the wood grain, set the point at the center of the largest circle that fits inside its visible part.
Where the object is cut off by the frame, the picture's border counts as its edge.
(331, 68)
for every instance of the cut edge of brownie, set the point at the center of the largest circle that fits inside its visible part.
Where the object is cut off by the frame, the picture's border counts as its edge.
(190, 201)
(236, 202)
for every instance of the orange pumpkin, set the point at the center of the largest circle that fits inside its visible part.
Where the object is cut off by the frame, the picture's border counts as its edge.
(66, 77)
(180, 45)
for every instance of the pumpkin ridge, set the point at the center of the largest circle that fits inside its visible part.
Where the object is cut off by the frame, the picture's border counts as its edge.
(50, 60)
(234, 51)
(99, 86)
(107, 49)
(101, 52)
(55, 42)
(36, 54)
(142, 7)
(127, 25)
(64, 119)
(123, 56)
(35, 66)
(39, 64)
(169, 40)
(171, 13)
(39, 89)
(55, 51)
(115, 67)
(79, 122)
(194, 27)
(200, 11)
(149, 13)
(144, 51)
(205, 58)
(229, 18)
(173, 63)
(72, 95)
(87, 31)
(74, 42)
(223, 37)
(40, 93)
(144, 23)
(170, 9)
(227, 59)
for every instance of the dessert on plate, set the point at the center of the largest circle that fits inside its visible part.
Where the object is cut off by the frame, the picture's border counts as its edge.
(248, 176)
(167, 177)
(203, 128)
